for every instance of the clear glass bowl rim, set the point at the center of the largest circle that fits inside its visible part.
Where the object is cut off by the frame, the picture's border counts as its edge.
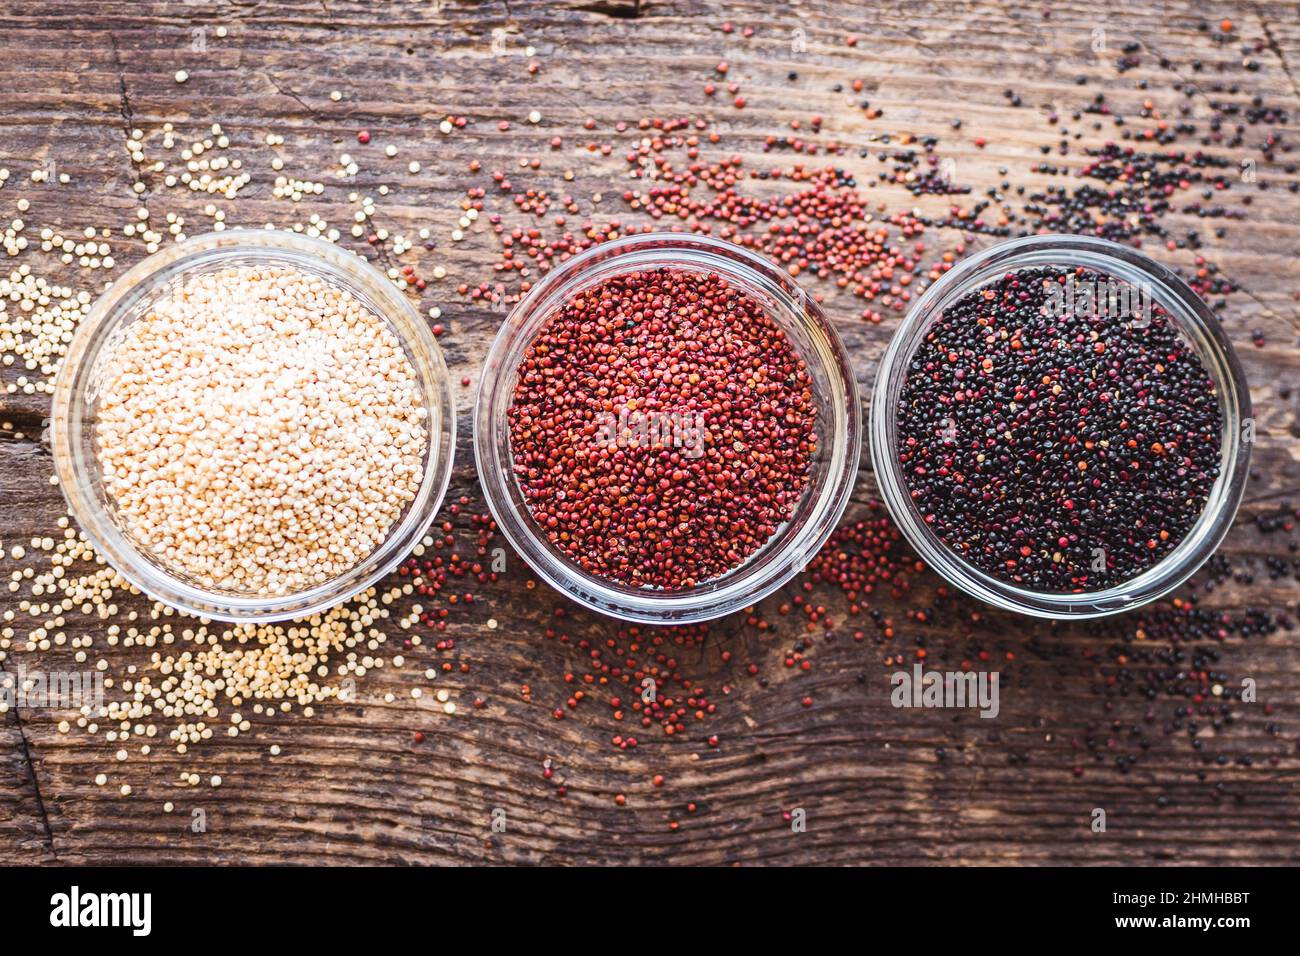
(817, 516)
(1197, 323)
(73, 467)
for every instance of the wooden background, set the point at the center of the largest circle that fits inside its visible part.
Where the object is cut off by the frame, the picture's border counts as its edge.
(878, 785)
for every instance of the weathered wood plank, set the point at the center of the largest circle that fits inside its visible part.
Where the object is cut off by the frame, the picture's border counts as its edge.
(351, 784)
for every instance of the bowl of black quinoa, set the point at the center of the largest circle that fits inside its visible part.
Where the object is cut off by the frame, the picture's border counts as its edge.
(1061, 428)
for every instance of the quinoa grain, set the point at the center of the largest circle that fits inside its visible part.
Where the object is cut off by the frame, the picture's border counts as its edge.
(260, 430)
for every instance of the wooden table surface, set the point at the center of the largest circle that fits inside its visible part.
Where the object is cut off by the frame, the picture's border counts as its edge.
(875, 784)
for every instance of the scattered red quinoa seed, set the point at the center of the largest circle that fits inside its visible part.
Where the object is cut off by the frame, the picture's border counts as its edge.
(865, 555)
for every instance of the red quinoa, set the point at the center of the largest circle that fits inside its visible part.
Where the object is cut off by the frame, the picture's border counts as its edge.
(652, 508)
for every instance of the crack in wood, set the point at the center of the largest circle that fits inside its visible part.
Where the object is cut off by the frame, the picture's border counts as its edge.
(31, 774)
(1276, 50)
(126, 110)
(616, 11)
(270, 78)
(1268, 310)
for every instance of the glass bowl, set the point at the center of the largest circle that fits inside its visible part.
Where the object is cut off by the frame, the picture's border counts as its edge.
(838, 429)
(1197, 325)
(75, 406)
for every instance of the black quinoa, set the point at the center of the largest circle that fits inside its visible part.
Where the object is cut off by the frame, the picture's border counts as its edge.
(1028, 440)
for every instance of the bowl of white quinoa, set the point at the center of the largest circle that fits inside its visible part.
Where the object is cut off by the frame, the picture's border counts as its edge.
(253, 425)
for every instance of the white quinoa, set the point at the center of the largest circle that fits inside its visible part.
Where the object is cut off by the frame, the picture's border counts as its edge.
(260, 430)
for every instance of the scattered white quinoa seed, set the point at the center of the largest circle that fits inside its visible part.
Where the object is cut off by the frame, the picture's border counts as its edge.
(195, 671)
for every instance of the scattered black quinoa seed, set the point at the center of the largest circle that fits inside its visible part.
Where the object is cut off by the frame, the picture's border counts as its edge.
(1030, 440)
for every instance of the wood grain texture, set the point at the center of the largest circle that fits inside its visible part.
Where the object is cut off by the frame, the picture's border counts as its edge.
(878, 785)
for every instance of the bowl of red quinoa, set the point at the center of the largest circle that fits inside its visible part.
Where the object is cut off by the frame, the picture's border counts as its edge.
(667, 429)
(1061, 428)
(253, 425)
